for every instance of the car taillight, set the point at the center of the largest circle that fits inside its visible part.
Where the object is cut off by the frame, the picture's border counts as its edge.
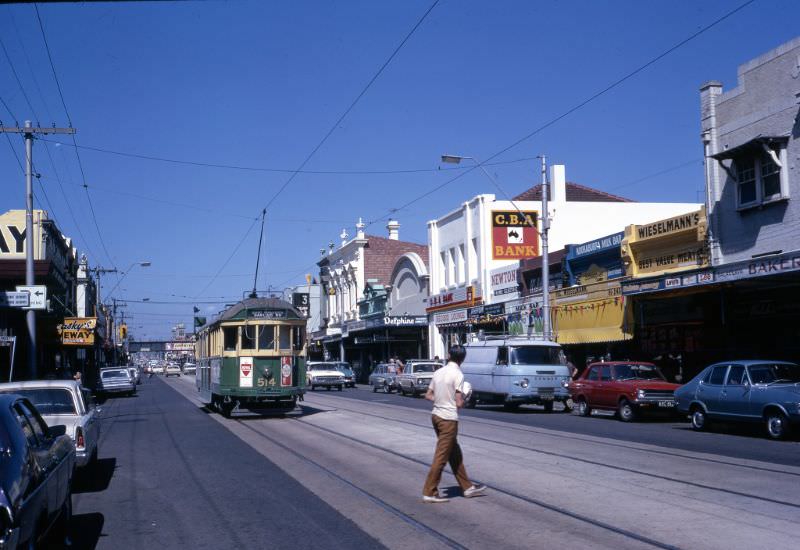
(80, 442)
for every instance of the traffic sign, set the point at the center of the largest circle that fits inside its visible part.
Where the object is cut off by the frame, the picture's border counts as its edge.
(38, 296)
(14, 299)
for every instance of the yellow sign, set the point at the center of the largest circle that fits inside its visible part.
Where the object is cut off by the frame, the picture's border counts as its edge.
(592, 314)
(666, 246)
(78, 331)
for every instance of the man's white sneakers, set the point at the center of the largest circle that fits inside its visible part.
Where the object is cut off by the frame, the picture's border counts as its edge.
(434, 499)
(474, 491)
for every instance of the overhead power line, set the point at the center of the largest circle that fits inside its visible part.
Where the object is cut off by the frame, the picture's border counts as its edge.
(329, 132)
(74, 141)
(575, 108)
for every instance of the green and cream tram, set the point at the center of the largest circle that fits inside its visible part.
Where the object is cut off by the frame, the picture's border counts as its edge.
(253, 357)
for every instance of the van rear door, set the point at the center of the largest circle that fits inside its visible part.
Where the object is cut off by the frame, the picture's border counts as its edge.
(500, 372)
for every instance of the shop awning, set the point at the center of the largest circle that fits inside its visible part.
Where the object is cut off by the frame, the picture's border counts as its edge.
(594, 319)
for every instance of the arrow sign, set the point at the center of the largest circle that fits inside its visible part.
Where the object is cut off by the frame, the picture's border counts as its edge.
(38, 296)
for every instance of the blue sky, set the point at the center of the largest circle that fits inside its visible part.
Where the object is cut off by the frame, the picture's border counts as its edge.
(258, 84)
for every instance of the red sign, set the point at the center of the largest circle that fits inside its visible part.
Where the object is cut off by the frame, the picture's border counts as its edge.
(286, 371)
(246, 369)
(514, 236)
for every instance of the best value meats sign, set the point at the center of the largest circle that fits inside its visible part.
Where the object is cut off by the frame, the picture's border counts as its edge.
(78, 331)
(515, 235)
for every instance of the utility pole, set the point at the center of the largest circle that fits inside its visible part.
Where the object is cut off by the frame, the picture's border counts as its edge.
(28, 131)
(546, 331)
(114, 327)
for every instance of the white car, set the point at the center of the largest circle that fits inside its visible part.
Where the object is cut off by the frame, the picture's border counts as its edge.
(189, 368)
(324, 375)
(65, 402)
(172, 370)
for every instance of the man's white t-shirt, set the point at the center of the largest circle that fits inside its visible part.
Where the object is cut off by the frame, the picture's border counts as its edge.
(444, 384)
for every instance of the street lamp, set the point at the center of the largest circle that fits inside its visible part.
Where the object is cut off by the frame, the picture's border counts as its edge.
(456, 159)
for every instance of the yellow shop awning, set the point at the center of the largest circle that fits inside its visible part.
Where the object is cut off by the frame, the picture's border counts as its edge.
(593, 321)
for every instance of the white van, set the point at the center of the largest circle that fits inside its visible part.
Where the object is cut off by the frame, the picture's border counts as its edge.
(516, 370)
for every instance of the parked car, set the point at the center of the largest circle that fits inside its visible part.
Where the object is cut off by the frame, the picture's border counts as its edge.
(189, 368)
(384, 377)
(628, 387)
(349, 375)
(116, 380)
(35, 476)
(416, 376)
(750, 391)
(64, 402)
(172, 369)
(324, 374)
(137, 379)
(514, 370)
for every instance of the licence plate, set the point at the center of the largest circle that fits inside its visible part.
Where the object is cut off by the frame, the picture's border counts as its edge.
(546, 396)
(666, 404)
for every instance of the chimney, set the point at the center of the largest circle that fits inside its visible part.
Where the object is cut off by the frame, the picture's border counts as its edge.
(558, 183)
(394, 229)
(360, 229)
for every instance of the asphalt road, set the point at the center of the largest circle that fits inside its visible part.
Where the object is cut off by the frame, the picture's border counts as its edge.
(169, 476)
(742, 441)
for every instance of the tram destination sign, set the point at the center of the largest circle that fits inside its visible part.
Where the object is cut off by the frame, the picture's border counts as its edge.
(268, 314)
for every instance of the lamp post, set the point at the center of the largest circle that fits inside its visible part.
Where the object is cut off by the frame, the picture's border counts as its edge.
(546, 330)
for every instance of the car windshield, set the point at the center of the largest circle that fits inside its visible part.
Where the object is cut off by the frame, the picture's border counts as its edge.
(637, 372)
(115, 374)
(769, 373)
(536, 355)
(344, 368)
(322, 366)
(424, 367)
(50, 400)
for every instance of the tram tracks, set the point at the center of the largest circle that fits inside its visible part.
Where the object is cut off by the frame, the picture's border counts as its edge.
(592, 441)
(560, 510)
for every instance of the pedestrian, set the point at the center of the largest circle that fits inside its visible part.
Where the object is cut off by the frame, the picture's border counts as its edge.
(77, 377)
(449, 391)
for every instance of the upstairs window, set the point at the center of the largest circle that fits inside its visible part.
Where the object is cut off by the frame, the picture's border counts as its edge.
(760, 176)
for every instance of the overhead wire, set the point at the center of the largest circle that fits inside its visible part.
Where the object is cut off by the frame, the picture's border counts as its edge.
(77, 154)
(575, 108)
(330, 131)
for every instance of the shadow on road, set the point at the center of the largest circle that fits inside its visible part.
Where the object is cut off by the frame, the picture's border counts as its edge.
(750, 430)
(94, 479)
(86, 530)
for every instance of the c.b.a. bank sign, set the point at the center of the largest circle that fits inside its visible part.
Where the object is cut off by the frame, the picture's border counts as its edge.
(515, 235)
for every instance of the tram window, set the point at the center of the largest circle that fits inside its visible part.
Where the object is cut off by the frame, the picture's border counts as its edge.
(285, 337)
(299, 338)
(266, 337)
(229, 337)
(248, 337)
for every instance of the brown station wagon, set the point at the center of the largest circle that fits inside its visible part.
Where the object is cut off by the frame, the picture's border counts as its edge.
(628, 387)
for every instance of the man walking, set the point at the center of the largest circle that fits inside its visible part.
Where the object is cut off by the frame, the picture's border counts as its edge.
(448, 391)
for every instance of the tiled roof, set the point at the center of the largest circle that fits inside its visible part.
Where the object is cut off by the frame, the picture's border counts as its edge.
(380, 255)
(575, 193)
(554, 258)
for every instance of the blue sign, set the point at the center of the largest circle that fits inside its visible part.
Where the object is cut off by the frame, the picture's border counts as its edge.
(593, 247)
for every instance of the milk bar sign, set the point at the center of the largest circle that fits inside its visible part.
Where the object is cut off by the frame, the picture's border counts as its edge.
(514, 235)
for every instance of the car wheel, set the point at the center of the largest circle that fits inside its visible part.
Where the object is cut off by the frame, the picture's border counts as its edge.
(548, 406)
(583, 407)
(777, 425)
(626, 411)
(569, 404)
(340, 387)
(386, 388)
(699, 419)
(374, 388)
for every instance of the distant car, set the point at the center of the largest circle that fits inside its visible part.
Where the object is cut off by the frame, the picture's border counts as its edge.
(172, 370)
(628, 387)
(749, 391)
(116, 380)
(64, 402)
(349, 375)
(137, 379)
(416, 376)
(189, 368)
(35, 476)
(384, 377)
(325, 374)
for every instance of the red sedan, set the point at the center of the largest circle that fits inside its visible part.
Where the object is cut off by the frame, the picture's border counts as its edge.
(628, 387)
